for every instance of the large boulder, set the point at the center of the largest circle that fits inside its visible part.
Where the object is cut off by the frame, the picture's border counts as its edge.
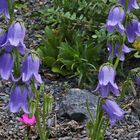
(74, 105)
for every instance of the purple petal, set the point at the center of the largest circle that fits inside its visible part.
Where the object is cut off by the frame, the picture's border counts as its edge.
(8, 47)
(114, 112)
(4, 8)
(114, 107)
(130, 32)
(110, 28)
(126, 49)
(15, 79)
(97, 88)
(18, 99)
(136, 27)
(26, 71)
(104, 90)
(116, 15)
(131, 4)
(15, 38)
(137, 81)
(3, 36)
(16, 34)
(30, 69)
(120, 28)
(106, 75)
(114, 89)
(113, 16)
(6, 65)
(134, 4)
(21, 48)
(36, 62)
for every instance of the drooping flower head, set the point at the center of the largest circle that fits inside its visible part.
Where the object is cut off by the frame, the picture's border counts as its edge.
(6, 65)
(132, 30)
(113, 110)
(25, 119)
(30, 69)
(15, 38)
(4, 8)
(137, 80)
(131, 4)
(113, 51)
(115, 19)
(107, 83)
(18, 99)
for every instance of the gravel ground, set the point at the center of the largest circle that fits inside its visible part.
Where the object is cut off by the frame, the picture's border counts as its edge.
(11, 129)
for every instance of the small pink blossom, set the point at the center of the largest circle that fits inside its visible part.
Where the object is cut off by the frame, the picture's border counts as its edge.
(25, 119)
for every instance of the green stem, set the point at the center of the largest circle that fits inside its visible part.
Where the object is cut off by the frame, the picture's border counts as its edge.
(37, 115)
(120, 49)
(11, 10)
(17, 63)
(118, 58)
(44, 117)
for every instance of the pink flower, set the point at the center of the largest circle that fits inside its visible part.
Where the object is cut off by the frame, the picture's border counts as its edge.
(26, 120)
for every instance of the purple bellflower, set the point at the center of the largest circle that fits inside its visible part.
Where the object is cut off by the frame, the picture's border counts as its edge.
(6, 65)
(15, 38)
(132, 30)
(115, 18)
(137, 80)
(113, 110)
(106, 79)
(30, 69)
(114, 52)
(4, 8)
(131, 4)
(18, 99)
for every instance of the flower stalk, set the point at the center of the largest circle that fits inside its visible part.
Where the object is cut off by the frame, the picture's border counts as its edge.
(37, 112)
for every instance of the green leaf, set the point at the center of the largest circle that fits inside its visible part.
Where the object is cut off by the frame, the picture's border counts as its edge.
(73, 16)
(57, 68)
(33, 106)
(137, 55)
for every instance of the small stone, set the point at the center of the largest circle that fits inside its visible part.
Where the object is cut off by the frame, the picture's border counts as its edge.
(10, 132)
(136, 106)
(65, 138)
(134, 138)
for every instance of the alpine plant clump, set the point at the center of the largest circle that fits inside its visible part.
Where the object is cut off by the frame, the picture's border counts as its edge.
(21, 66)
(123, 28)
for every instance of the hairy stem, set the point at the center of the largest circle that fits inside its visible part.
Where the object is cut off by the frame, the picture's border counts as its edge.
(37, 115)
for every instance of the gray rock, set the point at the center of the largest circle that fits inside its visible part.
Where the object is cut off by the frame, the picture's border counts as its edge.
(74, 105)
(136, 106)
(65, 138)
(135, 139)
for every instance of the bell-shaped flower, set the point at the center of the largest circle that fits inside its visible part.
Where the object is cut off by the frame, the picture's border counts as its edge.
(4, 8)
(30, 69)
(6, 65)
(131, 4)
(137, 79)
(113, 51)
(113, 110)
(106, 79)
(15, 38)
(18, 99)
(25, 119)
(115, 18)
(132, 30)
